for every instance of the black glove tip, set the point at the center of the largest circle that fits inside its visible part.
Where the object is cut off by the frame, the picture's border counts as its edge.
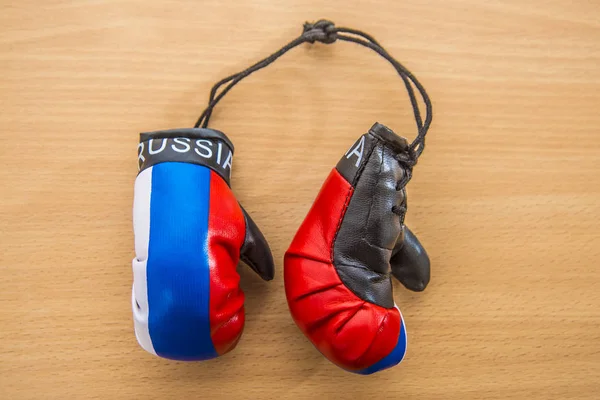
(418, 286)
(269, 275)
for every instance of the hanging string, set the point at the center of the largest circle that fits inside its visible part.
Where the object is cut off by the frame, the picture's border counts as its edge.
(325, 32)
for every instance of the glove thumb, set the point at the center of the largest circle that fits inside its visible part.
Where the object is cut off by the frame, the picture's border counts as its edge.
(410, 262)
(255, 251)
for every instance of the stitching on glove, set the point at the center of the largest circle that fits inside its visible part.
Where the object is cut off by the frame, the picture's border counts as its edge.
(339, 328)
(365, 229)
(249, 262)
(339, 224)
(363, 165)
(317, 291)
(379, 330)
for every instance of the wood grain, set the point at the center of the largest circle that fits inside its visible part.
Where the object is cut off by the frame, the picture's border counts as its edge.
(506, 197)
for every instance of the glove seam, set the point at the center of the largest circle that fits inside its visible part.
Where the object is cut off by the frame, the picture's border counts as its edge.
(347, 203)
(364, 164)
(243, 256)
(379, 330)
(366, 226)
(339, 224)
(250, 263)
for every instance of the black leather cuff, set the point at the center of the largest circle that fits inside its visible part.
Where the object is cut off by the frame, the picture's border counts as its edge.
(352, 163)
(201, 146)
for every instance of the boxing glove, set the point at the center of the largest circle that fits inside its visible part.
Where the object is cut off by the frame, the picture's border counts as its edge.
(190, 233)
(337, 269)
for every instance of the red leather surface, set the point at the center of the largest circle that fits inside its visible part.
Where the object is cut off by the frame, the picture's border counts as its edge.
(226, 232)
(350, 332)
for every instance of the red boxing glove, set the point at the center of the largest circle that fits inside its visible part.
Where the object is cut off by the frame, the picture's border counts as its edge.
(337, 269)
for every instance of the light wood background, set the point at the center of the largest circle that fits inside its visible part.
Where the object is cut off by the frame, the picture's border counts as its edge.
(506, 197)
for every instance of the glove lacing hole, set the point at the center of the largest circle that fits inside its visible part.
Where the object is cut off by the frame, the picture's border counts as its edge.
(407, 161)
(399, 210)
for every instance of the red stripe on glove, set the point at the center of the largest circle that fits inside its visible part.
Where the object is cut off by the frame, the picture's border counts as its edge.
(226, 232)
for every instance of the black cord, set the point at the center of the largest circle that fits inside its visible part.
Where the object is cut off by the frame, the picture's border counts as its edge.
(325, 32)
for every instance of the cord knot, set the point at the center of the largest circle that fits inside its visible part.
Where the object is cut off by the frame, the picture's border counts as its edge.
(323, 31)
(408, 158)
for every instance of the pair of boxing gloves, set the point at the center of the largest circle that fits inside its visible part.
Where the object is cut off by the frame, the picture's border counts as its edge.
(191, 232)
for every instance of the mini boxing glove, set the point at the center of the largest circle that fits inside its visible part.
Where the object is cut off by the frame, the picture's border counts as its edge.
(190, 233)
(337, 269)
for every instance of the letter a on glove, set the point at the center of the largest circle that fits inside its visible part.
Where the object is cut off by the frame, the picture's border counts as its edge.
(190, 233)
(338, 267)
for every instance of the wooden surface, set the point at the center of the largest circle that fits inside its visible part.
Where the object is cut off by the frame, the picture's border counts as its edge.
(506, 197)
